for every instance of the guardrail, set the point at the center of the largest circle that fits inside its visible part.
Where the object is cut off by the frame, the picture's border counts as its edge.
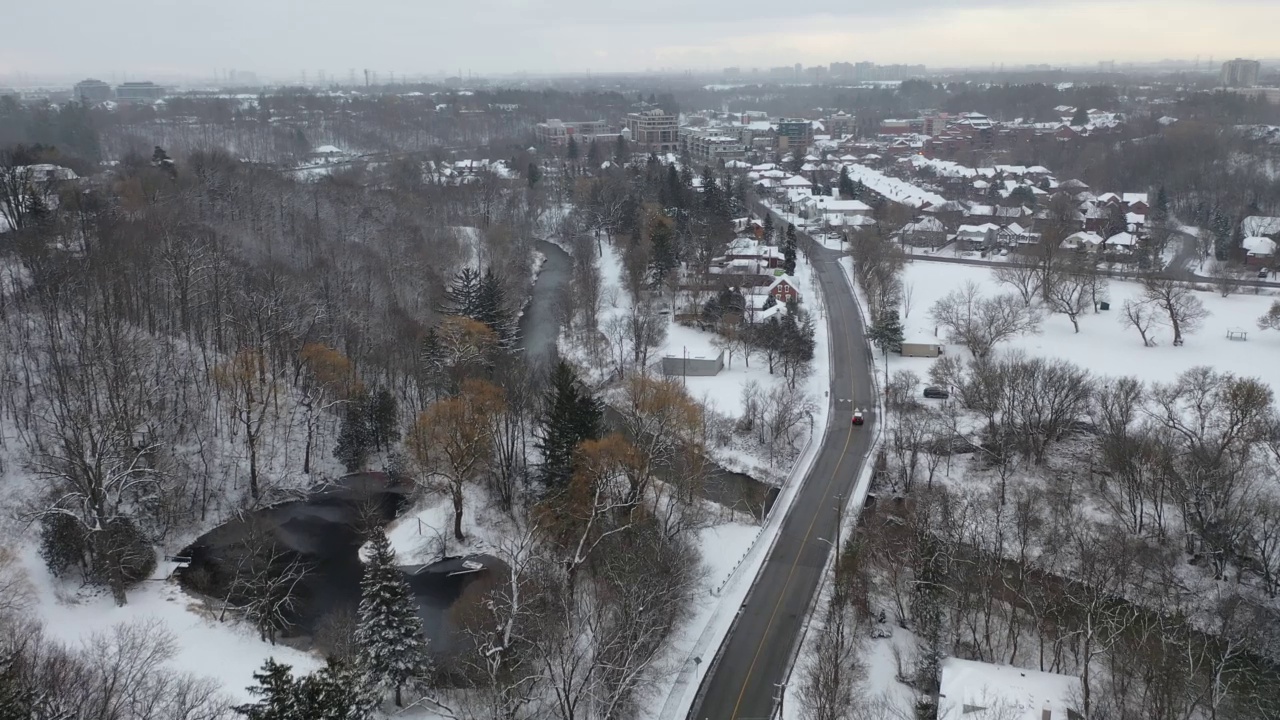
(678, 703)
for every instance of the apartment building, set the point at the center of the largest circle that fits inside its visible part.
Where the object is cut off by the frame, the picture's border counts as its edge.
(711, 146)
(654, 130)
(1240, 73)
(794, 133)
(556, 133)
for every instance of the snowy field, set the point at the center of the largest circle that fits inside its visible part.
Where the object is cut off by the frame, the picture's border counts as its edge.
(1104, 346)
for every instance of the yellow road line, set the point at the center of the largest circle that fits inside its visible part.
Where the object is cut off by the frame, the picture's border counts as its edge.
(794, 563)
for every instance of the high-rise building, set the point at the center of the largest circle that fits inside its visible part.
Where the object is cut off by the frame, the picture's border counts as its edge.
(654, 130)
(92, 91)
(1240, 73)
(794, 133)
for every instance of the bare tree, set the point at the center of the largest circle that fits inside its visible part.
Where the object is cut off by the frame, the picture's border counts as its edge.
(982, 323)
(1140, 316)
(1068, 295)
(1183, 310)
(1025, 277)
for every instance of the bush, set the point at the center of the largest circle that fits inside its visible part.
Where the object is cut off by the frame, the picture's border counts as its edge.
(62, 544)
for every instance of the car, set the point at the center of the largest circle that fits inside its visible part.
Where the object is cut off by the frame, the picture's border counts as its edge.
(936, 393)
(1262, 274)
(857, 417)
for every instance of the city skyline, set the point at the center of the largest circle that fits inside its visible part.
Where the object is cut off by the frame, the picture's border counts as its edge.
(138, 38)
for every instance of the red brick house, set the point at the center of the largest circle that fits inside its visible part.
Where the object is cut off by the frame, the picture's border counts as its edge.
(783, 291)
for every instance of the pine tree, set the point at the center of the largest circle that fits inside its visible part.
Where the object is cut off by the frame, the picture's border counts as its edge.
(382, 418)
(593, 155)
(572, 152)
(1160, 210)
(663, 257)
(533, 174)
(573, 414)
(279, 694)
(768, 226)
(462, 295)
(621, 153)
(1221, 235)
(490, 308)
(846, 184)
(887, 332)
(392, 647)
(789, 251)
(1080, 118)
(338, 691)
(355, 441)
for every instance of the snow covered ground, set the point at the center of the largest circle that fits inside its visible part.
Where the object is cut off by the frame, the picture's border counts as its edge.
(228, 652)
(1104, 346)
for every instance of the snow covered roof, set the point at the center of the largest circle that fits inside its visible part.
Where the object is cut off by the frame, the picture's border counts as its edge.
(983, 691)
(982, 229)
(1131, 198)
(1083, 238)
(833, 205)
(1123, 239)
(892, 188)
(328, 150)
(1259, 246)
(924, 224)
(1255, 225)
(795, 181)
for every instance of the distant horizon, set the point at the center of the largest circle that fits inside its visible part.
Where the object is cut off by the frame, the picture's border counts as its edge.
(501, 38)
(384, 78)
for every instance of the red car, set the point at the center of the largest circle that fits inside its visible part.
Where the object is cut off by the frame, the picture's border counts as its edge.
(857, 417)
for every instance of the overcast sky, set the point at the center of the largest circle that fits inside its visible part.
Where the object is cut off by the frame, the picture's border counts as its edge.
(280, 38)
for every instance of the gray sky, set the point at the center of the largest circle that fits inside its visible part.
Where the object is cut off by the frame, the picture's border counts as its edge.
(284, 37)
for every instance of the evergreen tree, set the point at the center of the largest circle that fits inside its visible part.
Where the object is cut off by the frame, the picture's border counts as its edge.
(279, 694)
(768, 226)
(621, 153)
(887, 332)
(789, 251)
(490, 308)
(392, 648)
(846, 184)
(533, 174)
(355, 441)
(382, 418)
(573, 414)
(1221, 235)
(1117, 222)
(462, 295)
(1080, 118)
(1160, 210)
(663, 256)
(338, 691)
(572, 151)
(593, 155)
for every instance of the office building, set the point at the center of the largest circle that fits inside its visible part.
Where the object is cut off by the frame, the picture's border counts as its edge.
(840, 124)
(794, 133)
(139, 92)
(654, 130)
(92, 91)
(1240, 73)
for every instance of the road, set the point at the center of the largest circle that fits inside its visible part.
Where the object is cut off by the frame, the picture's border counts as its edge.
(754, 658)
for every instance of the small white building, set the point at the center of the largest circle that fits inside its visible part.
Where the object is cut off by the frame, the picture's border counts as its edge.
(982, 691)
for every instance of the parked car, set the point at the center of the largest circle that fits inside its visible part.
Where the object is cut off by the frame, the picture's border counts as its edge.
(936, 393)
(857, 418)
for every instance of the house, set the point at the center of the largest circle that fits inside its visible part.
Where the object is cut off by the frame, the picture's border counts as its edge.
(1014, 235)
(971, 690)
(925, 232)
(1121, 242)
(976, 237)
(1083, 241)
(1259, 251)
(1135, 203)
(783, 291)
(796, 182)
(746, 254)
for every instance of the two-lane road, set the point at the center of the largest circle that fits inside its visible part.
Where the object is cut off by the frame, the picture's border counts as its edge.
(742, 685)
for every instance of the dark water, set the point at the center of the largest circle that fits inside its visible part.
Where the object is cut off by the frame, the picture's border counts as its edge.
(540, 324)
(325, 531)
